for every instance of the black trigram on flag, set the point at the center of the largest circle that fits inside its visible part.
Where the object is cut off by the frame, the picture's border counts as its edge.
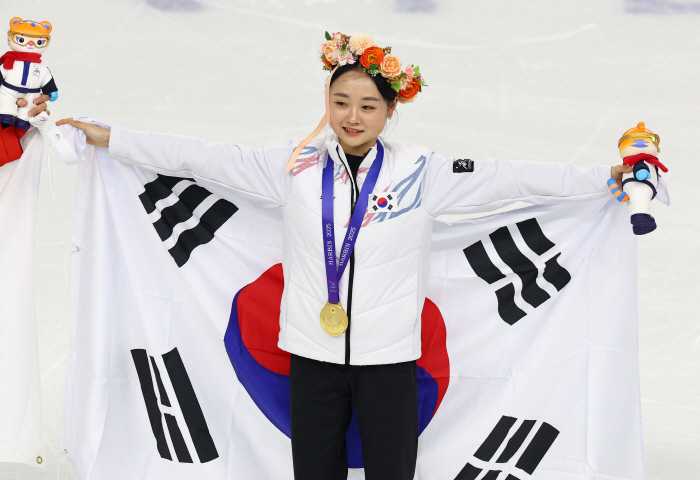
(188, 222)
(189, 414)
(531, 456)
(520, 265)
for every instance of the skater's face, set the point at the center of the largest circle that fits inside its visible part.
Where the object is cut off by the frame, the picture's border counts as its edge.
(358, 112)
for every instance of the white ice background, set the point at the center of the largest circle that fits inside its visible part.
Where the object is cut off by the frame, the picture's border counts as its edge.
(548, 80)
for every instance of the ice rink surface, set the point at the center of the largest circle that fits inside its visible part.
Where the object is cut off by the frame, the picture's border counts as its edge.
(541, 80)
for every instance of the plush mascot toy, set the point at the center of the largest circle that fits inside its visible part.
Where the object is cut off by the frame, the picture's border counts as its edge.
(22, 75)
(639, 148)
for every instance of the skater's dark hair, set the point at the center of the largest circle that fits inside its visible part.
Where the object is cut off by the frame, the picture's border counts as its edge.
(385, 90)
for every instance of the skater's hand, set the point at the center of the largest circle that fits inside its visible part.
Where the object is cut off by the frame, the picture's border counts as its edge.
(40, 103)
(96, 136)
(617, 171)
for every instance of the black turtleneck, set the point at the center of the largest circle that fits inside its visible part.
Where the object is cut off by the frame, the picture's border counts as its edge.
(354, 162)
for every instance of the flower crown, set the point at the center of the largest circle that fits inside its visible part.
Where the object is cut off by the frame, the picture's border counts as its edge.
(340, 49)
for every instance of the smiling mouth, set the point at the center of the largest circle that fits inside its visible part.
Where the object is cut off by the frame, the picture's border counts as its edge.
(352, 131)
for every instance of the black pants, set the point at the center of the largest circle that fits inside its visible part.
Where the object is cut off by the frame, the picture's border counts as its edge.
(385, 401)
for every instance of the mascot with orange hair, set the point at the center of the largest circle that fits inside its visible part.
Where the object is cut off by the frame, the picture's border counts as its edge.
(639, 148)
(22, 75)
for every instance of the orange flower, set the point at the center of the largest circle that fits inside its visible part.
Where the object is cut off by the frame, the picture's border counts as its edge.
(411, 90)
(372, 56)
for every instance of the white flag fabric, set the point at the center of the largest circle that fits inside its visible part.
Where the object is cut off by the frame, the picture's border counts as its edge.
(20, 392)
(529, 365)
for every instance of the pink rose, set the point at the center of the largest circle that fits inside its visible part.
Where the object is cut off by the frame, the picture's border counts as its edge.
(390, 66)
(410, 72)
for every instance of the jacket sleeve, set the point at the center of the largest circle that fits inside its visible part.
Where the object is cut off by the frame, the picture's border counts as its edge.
(50, 86)
(236, 172)
(495, 183)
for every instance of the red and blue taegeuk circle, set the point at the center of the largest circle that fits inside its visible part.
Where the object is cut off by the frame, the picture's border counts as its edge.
(382, 202)
(263, 369)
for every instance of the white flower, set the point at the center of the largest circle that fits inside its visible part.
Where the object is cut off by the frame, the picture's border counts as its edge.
(361, 41)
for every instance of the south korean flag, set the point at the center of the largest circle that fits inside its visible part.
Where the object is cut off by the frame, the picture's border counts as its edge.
(382, 202)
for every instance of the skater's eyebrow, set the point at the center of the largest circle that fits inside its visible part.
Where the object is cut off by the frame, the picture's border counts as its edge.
(363, 98)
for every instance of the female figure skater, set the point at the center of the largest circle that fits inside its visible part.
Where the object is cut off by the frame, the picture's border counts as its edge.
(354, 333)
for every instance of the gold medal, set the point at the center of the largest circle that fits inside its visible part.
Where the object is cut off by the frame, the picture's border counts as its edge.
(334, 320)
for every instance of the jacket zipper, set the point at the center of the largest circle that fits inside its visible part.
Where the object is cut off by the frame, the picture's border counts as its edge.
(348, 307)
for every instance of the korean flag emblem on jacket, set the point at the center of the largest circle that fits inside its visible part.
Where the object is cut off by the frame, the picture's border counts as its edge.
(382, 202)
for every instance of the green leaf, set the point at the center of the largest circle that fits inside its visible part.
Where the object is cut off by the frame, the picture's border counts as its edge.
(396, 86)
(416, 70)
(328, 36)
(374, 66)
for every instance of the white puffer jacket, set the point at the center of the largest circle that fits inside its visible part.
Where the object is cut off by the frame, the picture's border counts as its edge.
(383, 288)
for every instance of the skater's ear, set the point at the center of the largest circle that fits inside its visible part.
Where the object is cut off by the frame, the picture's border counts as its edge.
(392, 107)
(47, 26)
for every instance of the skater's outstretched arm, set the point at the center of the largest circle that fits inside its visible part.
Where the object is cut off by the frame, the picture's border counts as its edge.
(236, 172)
(482, 186)
(96, 135)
